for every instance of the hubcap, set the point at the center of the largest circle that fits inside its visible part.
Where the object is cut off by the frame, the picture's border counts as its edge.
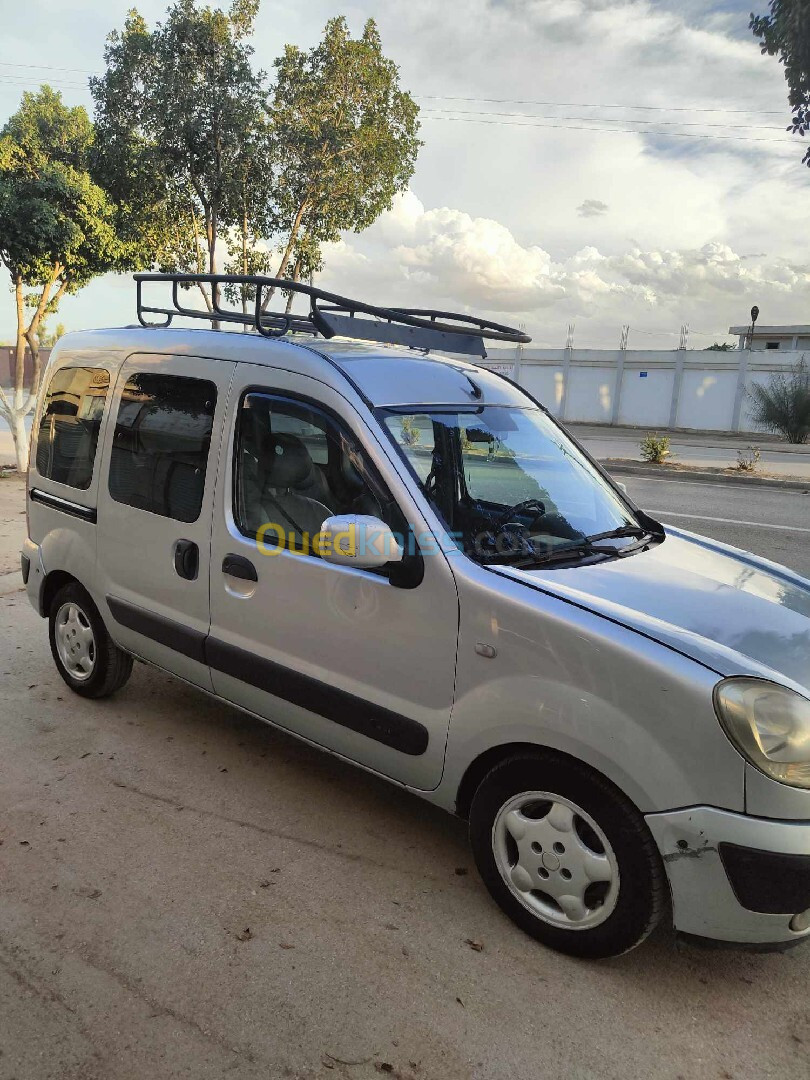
(75, 642)
(556, 860)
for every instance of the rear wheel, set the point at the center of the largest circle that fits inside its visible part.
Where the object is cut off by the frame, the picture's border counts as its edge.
(567, 856)
(85, 655)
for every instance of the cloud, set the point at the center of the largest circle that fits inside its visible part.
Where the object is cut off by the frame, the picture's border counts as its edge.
(592, 208)
(448, 254)
(446, 257)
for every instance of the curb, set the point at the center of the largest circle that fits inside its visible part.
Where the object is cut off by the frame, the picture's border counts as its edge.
(699, 476)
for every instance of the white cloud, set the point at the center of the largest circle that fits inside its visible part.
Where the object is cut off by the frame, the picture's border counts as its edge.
(446, 257)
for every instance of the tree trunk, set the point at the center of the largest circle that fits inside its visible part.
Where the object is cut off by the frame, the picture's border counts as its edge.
(211, 237)
(22, 400)
(17, 411)
(296, 276)
(244, 289)
(296, 226)
(19, 351)
(20, 437)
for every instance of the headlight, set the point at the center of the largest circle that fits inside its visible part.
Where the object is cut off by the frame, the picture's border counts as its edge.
(769, 725)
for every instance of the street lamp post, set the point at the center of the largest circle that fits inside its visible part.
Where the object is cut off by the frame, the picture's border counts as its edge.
(754, 317)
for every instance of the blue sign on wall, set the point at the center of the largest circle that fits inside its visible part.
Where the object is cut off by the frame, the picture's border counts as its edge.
(642, 374)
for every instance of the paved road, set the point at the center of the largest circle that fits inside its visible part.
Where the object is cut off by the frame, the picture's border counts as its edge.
(772, 523)
(186, 893)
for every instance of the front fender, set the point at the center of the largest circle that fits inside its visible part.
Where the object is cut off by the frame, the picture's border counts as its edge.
(571, 680)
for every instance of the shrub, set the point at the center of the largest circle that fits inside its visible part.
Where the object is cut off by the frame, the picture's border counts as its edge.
(655, 448)
(748, 459)
(784, 404)
(410, 432)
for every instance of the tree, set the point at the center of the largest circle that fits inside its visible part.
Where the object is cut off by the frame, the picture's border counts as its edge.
(346, 138)
(720, 347)
(183, 133)
(785, 33)
(57, 230)
(784, 404)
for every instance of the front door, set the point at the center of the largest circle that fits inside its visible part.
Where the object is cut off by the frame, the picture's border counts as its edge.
(340, 655)
(155, 507)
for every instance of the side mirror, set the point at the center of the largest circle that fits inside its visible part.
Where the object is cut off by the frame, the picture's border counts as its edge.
(621, 487)
(358, 540)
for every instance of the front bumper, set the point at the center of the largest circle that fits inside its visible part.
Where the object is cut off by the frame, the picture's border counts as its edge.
(734, 877)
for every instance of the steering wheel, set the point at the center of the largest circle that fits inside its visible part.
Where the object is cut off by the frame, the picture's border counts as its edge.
(527, 504)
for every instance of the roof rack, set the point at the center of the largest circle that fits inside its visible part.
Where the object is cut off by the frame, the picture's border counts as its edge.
(331, 315)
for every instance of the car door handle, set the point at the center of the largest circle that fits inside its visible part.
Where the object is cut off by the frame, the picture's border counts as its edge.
(186, 559)
(239, 567)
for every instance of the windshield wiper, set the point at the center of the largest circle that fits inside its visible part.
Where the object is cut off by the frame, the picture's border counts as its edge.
(527, 557)
(624, 530)
(586, 545)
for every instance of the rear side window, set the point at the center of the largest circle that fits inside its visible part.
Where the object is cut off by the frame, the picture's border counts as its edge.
(68, 429)
(161, 443)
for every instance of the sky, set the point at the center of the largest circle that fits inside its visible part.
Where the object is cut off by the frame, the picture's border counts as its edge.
(585, 162)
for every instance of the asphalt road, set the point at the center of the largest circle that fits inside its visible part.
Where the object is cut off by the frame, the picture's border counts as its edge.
(186, 893)
(772, 523)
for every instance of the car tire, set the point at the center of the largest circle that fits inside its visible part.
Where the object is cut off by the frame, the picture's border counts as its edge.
(84, 653)
(567, 856)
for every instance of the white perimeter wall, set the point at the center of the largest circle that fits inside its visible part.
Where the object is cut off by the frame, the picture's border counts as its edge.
(704, 391)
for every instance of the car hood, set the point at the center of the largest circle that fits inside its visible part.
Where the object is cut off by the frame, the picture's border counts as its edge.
(727, 609)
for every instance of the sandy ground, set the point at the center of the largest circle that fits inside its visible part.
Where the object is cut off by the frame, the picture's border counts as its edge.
(186, 893)
(12, 523)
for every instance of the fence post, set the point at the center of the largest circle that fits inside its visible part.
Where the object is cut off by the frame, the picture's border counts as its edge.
(566, 380)
(676, 388)
(617, 389)
(739, 394)
(516, 374)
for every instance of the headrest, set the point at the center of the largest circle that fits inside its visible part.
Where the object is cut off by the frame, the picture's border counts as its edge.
(287, 461)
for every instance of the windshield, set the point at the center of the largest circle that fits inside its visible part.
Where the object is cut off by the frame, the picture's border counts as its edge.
(509, 485)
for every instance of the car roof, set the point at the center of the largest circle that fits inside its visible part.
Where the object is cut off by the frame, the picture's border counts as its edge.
(383, 375)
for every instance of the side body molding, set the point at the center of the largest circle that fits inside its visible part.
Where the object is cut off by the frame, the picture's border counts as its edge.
(401, 733)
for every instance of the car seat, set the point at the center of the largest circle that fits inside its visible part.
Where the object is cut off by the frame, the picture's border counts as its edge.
(287, 475)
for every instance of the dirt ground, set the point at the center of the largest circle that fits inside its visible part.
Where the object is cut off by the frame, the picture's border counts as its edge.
(12, 523)
(185, 892)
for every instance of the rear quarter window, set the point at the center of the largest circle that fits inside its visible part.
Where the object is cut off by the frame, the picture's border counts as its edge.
(67, 438)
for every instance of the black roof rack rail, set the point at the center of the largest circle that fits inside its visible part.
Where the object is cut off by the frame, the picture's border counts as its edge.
(331, 315)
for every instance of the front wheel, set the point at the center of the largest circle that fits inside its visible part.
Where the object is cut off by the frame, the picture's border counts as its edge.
(567, 856)
(84, 653)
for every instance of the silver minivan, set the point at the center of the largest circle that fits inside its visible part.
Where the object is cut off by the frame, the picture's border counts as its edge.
(402, 558)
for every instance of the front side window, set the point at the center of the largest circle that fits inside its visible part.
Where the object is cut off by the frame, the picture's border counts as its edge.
(295, 467)
(161, 443)
(67, 438)
(509, 485)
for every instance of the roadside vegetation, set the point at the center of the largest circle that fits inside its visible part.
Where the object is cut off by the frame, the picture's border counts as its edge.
(783, 406)
(748, 459)
(655, 448)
